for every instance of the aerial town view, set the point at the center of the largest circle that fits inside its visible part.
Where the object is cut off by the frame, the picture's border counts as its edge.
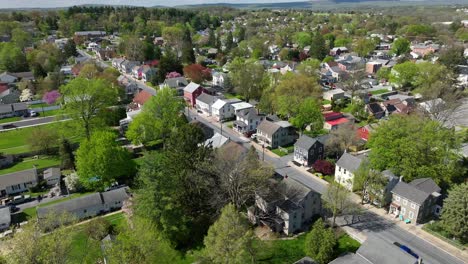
(234, 132)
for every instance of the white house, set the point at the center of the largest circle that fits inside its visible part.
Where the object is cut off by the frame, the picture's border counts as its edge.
(204, 102)
(334, 94)
(52, 176)
(222, 108)
(241, 106)
(219, 78)
(247, 120)
(346, 166)
(17, 182)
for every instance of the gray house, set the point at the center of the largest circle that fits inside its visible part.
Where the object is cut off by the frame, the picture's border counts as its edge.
(417, 201)
(204, 102)
(290, 208)
(88, 206)
(52, 176)
(307, 150)
(18, 182)
(15, 109)
(5, 218)
(276, 134)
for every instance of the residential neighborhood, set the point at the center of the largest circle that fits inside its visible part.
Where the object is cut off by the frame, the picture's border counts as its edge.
(299, 132)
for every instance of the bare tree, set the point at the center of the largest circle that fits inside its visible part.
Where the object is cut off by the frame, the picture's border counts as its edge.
(337, 199)
(341, 139)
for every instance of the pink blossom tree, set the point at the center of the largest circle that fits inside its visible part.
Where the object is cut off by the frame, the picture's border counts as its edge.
(51, 97)
(173, 75)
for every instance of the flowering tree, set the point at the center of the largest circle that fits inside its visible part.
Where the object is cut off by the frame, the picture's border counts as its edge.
(173, 75)
(197, 73)
(51, 97)
(324, 167)
(26, 95)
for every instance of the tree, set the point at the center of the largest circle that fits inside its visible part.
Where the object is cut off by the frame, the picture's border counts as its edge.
(400, 46)
(72, 181)
(309, 67)
(134, 48)
(415, 146)
(101, 161)
(342, 42)
(318, 49)
(26, 95)
(188, 55)
(455, 212)
(241, 176)
(197, 73)
(175, 188)
(12, 58)
(404, 74)
(232, 227)
(364, 46)
(168, 63)
(42, 140)
(452, 57)
(309, 113)
(140, 243)
(320, 242)
(51, 97)
(161, 114)
(21, 38)
(69, 50)
(324, 166)
(337, 200)
(84, 97)
(303, 39)
(291, 92)
(383, 73)
(89, 71)
(229, 44)
(248, 78)
(66, 154)
(370, 183)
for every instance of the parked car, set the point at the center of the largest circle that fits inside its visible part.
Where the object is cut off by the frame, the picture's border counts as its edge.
(33, 113)
(407, 249)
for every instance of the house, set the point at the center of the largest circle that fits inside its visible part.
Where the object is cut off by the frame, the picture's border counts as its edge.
(5, 218)
(52, 176)
(158, 41)
(141, 98)
(177, 84)
(289, 208)
(423, 49)
(6, 160)
(128, 66)
(136, 71)
(89, 205)
(364, 132)
(416, 201)
(219, 78)
(374, 109)
(9, 95)
(334, 119)
(223, 109)
(350, 63)
(337, 51)
(23, 76)
(204, 102)
(346, 166)
(247, 120)
(376, 251)
(191, 92)
(372, 67)
(90, 34)
(275, 134)
(7, 77)
(216, 141)
(147, 73)
(334, 94)
(15, 109)
(17, 182)
(116, 63)
(308, 150)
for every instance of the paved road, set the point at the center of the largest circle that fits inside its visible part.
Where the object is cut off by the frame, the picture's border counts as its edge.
(28, 122)
(369, 222)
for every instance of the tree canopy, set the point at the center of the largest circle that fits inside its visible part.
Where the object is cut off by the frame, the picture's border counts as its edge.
(320, 242)
(455, 212)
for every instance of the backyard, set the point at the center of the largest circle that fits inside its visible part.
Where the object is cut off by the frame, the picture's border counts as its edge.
(41, 163)
(283, 151)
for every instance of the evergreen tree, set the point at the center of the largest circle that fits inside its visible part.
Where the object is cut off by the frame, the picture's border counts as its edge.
(318, 48)
(455, 212)
(188, 55)
(319, 243)
(229, 41)
(66, 154)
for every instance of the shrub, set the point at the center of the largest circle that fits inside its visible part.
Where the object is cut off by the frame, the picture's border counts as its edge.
(324, 167)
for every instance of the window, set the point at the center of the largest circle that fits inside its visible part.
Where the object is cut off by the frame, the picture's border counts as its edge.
(339, 169)
(413, 205)
(405, 202)
(397, 198)
(411, 215)
(403, 211)
(344, 171)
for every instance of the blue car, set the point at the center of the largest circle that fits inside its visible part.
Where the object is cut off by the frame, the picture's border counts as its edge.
(407, 249)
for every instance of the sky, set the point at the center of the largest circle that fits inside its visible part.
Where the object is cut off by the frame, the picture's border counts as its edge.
(62, 3)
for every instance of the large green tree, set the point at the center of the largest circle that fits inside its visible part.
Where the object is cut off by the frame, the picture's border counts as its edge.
(455, 212)
(400, 46)
(160, 115)
(229, 238)
(416, 147)
(318, 49)
(320, 242)
(83, 98)
(248, 78)
(309, 113)
(101, 161)
(404, 74)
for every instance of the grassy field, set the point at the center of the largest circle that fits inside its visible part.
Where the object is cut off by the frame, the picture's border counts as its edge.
(282, 251)
(346, 244)
(381, 91)
(325, 102)
(10, 119)
(41, 163)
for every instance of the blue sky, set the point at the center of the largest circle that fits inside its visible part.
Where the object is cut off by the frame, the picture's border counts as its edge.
(62, 3)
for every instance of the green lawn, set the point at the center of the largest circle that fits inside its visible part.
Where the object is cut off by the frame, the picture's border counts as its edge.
(381, 91)
(41, 163)
(281, 153)
(282, 251)
(325, 102)
(38, 106)
(9, 119)
(233, 96)
(347, 244)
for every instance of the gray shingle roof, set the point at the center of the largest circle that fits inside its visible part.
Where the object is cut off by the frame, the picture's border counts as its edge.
(268, 127)
(379, 251)
(17, 178)
(5, 215)
(116, 195)
(349, 162)
(206, 98)
(426, 185)
(305, 142)
(52, 173)
(176, 82)
(410, 192)
(71, 205)
(191, 87)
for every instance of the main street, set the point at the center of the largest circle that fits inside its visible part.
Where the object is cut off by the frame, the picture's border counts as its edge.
(370, 223)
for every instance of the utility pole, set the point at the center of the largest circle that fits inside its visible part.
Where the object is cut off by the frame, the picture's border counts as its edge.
(263, 152)
(221, 127)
